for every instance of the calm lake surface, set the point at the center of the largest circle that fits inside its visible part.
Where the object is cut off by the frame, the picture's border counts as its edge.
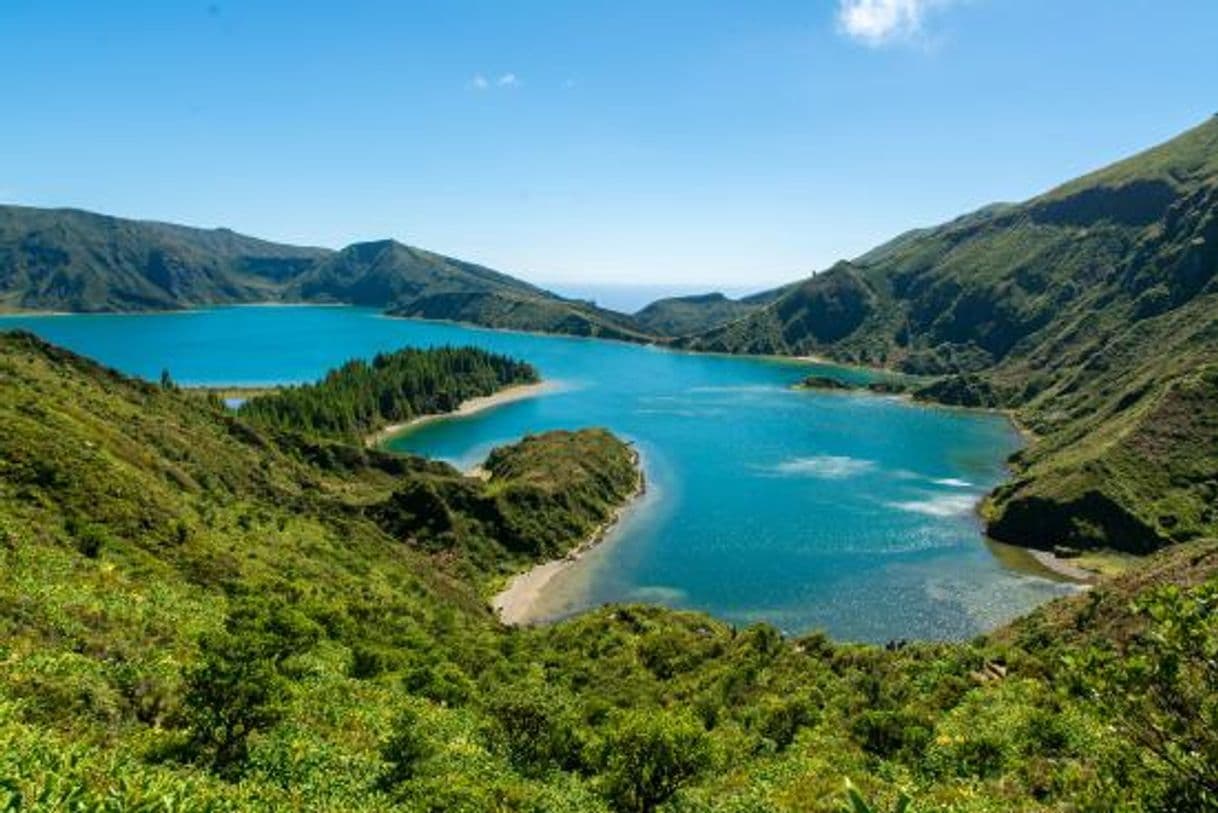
(846, 513)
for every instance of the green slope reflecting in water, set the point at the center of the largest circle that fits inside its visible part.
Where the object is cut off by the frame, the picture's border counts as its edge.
(848, 513)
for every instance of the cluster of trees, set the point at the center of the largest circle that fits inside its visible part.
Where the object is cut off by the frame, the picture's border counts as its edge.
(360, 397)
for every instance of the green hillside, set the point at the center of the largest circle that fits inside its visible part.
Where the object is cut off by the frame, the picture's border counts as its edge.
(685, 315)
(69, 260)
(199, 614)
(385, 272)
(74, 261)
(1091, 311)
(509, 310)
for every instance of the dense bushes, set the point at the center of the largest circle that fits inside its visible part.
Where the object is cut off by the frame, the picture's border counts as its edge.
(1162, 691)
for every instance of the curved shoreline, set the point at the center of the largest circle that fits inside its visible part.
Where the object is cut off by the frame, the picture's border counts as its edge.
(514, 604)
(471, 406)
(807, 359)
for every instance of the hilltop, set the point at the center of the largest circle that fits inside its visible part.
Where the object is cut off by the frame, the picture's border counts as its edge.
(684, 315)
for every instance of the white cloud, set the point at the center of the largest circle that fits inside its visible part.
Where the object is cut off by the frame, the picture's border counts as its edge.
(480, 82)
(880, 22)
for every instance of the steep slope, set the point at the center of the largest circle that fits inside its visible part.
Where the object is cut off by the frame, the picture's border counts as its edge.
(1082, 309)
(65, 259)
(686, 315)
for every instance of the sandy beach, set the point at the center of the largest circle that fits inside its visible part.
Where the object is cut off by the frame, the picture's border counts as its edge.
(514, 605)
(1063, 567)
(469, 407)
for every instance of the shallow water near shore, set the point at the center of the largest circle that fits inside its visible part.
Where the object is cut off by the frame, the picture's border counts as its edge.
(849, 513)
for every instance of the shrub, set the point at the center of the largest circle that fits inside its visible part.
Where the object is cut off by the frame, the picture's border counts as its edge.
(647, 757)
(405, 750)
(536, 729)
(239, 688)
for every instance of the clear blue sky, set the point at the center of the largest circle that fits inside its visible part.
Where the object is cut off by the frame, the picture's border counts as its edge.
(676, 141)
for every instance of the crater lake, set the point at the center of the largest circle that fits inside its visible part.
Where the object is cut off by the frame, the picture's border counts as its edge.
(850, 513)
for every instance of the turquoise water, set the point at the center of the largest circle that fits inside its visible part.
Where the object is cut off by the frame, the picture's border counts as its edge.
(847, 513)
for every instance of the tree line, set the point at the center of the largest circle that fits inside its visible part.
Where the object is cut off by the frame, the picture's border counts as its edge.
(361, 397)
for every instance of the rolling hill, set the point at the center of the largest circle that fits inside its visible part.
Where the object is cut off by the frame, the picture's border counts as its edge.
(686, 315)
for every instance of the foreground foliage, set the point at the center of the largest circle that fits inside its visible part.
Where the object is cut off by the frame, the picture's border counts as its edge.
(201, 614)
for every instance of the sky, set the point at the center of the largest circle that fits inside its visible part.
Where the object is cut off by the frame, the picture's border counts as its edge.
(676, 142)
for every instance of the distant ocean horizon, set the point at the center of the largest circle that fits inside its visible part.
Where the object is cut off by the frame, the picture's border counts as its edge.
(632, 298)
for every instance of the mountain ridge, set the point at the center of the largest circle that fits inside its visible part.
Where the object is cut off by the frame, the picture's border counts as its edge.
(1077, 310)
(67, 259)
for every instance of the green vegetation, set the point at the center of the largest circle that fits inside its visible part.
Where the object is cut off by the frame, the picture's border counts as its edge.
(385, 272)
(69, 260)
(202, 614)
(512, 311)
(825, 382)
(1091, 312)
(687, 315)
(361, 398)
(204, 610)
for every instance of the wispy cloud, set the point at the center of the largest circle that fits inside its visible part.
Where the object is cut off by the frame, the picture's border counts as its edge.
(480, 82)
(881, 22)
